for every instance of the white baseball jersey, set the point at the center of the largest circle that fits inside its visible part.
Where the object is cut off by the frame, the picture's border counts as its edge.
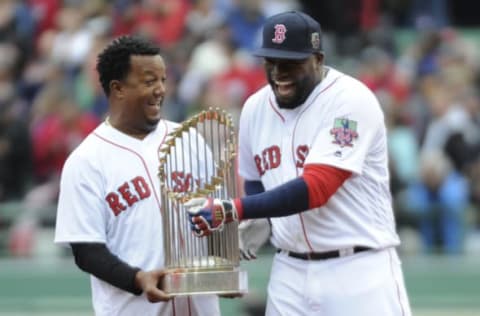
(110, 194)
(341, 124)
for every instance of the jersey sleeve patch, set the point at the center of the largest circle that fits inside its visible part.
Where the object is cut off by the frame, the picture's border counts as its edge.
(344, 132)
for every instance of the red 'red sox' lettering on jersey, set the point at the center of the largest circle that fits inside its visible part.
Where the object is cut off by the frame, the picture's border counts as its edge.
(301, 154)
(183, 182)
(271, 158)
(118, 201)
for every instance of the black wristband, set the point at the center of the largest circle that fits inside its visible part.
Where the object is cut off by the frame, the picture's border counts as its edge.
(96, 259)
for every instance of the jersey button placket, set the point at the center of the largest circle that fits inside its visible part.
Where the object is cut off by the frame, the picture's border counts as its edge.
(286, 143)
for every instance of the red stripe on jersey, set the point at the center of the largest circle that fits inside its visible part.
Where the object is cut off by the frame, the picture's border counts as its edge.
(397, 285)
(275, 110)
(322, 182)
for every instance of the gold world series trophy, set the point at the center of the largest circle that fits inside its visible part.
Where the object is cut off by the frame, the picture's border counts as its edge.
(198, 160)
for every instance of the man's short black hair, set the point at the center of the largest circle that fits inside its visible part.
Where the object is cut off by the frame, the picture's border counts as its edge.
(113, 62)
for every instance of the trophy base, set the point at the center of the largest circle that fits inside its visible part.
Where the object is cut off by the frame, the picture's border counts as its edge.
(206, 282)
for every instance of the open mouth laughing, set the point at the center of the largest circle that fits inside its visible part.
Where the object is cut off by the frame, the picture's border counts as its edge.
(285, 88)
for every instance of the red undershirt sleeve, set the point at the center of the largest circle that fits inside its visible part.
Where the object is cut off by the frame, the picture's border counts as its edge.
(322, 182)
(313, 189)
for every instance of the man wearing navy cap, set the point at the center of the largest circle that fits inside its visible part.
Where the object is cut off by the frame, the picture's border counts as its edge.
(313, 154)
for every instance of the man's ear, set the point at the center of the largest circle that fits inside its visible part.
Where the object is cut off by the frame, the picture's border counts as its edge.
(116, 89)
(319, 57)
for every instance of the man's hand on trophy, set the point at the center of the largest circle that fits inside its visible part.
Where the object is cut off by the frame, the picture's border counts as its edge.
(148, 282)
(208, 214)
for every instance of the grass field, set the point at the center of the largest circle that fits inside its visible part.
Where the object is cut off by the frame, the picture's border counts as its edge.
(437, 286)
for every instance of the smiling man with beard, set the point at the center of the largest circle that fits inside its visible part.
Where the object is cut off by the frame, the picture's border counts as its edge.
(109, 211)
(313, 154)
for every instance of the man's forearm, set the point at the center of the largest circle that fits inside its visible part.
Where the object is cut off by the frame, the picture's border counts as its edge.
(96, 259)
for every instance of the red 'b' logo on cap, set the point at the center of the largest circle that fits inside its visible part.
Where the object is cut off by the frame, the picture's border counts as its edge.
(280, 31)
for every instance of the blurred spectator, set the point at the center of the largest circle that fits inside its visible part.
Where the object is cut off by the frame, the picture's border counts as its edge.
(124, 16)
(72, 40)
(463, 144)
(458, 63)
(209, 58)
(418, 63)
(271, 7)
(348, 20)
(44, 12)
(39, 69)
(474, 177)
(427, 53)
(230, 88)
(163, 21)
(450, 121)
(97, 17)
(17, 25)
(245, 21)
(202, 20)
(439, 201)
(15, 155)
(223, 5)
(403, 147)
(173, 108)
(445, 118)
(378, 71)
(57, 127)
(431, 12)
(87, 92)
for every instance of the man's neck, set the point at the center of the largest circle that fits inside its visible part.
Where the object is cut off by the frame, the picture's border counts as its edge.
(133, 132)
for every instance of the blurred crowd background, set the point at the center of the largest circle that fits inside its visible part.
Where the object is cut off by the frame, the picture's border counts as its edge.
(428, 86)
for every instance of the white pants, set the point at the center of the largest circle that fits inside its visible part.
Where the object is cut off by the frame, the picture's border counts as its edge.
(196, 305)
(364, 284)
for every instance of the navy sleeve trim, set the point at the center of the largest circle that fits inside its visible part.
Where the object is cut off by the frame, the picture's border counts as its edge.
(286, 199)
(253, 187)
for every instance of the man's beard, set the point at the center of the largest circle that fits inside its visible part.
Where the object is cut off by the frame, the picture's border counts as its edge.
(303, 89)
(151, 125)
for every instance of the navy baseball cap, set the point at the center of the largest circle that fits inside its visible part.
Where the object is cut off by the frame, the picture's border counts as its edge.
(290, 35)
